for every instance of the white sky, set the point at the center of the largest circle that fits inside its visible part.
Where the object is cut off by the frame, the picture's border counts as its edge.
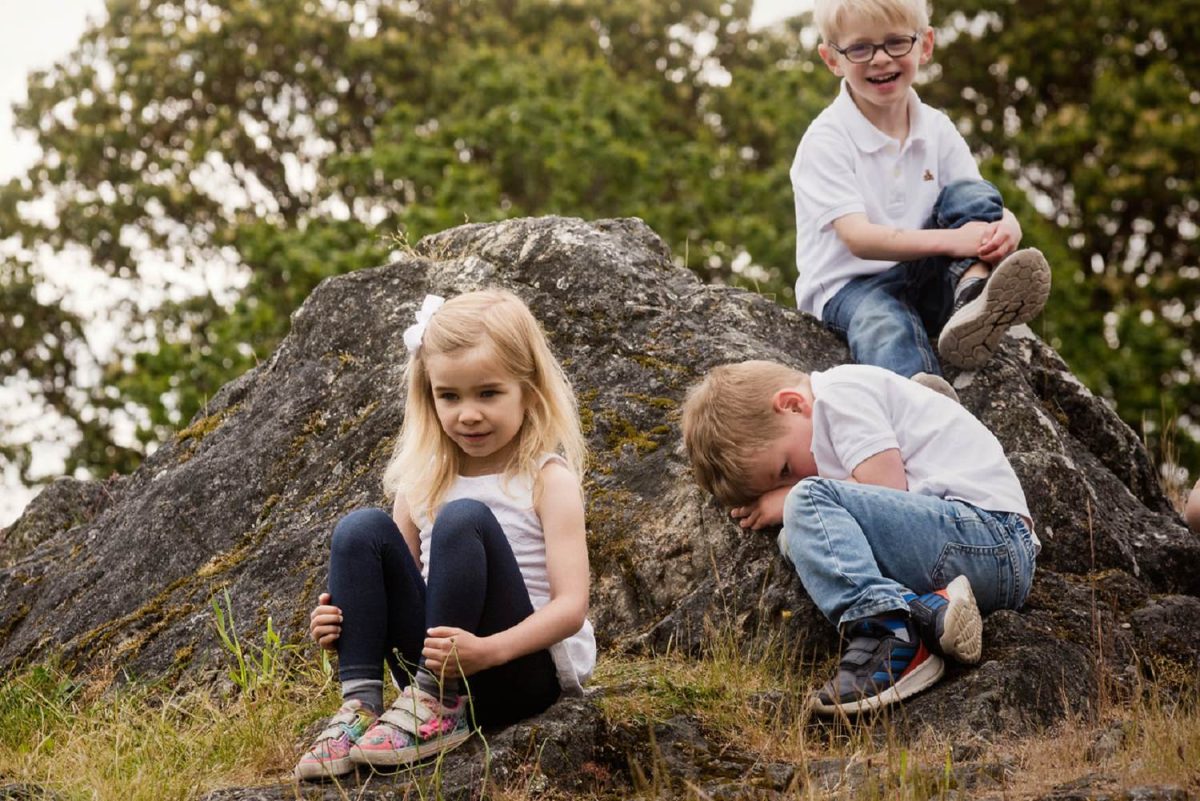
(34, 34)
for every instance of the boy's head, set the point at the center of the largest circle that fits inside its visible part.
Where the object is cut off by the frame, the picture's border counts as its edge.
(834, 17)
(747, 429)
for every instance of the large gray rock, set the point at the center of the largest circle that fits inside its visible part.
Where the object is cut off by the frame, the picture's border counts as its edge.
(245, 498)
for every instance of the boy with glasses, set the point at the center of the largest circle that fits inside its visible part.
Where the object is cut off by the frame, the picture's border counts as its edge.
(899, 239)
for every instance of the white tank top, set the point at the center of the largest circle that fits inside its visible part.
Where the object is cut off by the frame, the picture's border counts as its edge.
(511, 501)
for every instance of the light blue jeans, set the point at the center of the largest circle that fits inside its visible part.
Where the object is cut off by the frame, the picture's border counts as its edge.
(858, 548)
(888, 318)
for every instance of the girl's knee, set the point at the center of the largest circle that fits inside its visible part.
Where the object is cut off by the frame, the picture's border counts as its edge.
(361, 527)
(461, 515)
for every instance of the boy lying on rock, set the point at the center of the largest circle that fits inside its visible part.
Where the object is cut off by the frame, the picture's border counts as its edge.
(900, 512)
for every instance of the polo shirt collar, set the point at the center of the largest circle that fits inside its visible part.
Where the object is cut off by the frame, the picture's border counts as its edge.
(869, 139)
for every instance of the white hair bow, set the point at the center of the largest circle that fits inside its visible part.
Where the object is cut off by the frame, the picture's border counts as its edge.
(415, 332)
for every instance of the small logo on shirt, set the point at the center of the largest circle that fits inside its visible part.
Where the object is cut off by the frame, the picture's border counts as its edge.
(928, 176)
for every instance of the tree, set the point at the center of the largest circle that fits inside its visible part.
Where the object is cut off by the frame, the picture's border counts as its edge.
(254, 147)
(281, 142)
(1093, 108)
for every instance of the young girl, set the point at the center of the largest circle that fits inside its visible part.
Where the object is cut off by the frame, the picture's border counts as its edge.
(475, 589)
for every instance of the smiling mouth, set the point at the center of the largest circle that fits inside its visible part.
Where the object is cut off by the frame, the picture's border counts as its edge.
(884, 78)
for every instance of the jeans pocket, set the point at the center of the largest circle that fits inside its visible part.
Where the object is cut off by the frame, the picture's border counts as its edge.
(989, 568)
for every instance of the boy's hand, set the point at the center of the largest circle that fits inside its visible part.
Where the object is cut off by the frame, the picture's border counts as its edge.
(766, 511)
(966, 241)
(325, 623)
(1000, 239)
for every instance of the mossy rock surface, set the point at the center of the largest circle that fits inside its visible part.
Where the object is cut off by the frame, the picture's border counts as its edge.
(248, 498)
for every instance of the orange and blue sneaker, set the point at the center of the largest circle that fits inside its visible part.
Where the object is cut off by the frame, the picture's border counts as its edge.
(329, 755)
(948, 621)
(415, 727)
(884, 662)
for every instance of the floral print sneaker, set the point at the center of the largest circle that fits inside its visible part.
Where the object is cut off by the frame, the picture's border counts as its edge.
(330, 753)
(416, 726)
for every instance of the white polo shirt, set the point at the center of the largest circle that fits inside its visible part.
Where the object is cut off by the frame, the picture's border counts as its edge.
(845, 165)
(860, 410)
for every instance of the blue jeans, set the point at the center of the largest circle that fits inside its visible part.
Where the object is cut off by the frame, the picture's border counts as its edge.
(858, 548)
(474, 584)
(888, 318)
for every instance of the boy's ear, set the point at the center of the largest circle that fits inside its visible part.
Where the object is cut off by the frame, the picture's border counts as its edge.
(829, 56)
(791, 401)
(926, 45)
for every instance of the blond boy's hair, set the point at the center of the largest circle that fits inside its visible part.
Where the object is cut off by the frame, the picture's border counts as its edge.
(728, 418)
(426, 461)
(833, 16)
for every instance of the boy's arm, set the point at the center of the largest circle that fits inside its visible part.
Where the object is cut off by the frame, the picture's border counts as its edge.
(884, 469)
(868, 240)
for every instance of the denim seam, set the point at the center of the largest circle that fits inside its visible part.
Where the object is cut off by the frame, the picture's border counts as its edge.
(918, 330)
(880, 603)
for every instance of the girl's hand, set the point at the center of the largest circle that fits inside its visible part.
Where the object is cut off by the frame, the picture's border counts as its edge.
(453, 653)
(325, 623)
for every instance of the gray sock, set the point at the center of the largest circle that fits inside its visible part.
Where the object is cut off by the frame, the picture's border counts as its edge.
(969, 288)
(368, 692)
(446, 690)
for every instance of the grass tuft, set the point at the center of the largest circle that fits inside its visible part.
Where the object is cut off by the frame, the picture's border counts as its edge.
(92, 738)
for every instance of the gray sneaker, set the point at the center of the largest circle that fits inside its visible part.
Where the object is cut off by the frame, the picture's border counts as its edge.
(1015, 293)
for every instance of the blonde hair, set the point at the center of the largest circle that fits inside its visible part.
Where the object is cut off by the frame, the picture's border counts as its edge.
(426, 461)
(728, 418)
(832, 16)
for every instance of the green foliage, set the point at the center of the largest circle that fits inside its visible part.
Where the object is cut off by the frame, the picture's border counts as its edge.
(254, 666)
(289, 140)
(31, 701)
(1094, 105)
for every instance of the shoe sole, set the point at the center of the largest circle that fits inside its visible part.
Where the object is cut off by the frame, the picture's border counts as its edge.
(1015, 293)
(392, 758)
(925, 676)
(323, 770)
(962, 633)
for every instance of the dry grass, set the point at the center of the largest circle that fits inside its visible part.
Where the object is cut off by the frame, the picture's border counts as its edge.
(752, 704)
(1176, 483)
(155, 742)
(146, 742)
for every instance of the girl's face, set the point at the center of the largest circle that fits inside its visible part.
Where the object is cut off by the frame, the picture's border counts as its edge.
(480, 406)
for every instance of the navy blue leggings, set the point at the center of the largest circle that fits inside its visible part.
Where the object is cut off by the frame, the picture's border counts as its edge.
(474, 584)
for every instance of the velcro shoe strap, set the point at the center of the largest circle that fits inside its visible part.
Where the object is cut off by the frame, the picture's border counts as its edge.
(339, 724)
(407, 713)
(860, 652)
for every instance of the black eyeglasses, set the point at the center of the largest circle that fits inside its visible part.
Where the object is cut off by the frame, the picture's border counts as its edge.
(894, 46)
